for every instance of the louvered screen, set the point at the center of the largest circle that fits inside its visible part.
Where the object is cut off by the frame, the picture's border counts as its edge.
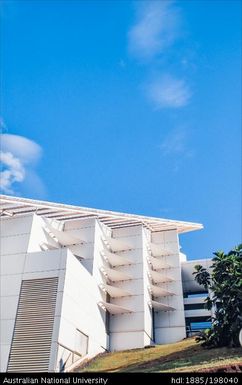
(31, 343)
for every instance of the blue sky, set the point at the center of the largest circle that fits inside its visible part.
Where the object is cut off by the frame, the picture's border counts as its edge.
(126, 105)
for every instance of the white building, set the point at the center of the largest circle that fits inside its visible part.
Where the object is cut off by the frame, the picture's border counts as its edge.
(76, 282)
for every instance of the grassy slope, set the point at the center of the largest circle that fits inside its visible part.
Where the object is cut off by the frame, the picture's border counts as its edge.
(186, 355)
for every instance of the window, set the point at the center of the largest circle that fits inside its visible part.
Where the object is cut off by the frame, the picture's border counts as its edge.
(196, 295)
(194, 306)
(200, 325)
(81, 343)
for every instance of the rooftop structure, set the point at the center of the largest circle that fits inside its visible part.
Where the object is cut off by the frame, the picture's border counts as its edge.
(12, 206)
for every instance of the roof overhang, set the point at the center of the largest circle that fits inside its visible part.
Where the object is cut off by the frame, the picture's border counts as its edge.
(15, 206)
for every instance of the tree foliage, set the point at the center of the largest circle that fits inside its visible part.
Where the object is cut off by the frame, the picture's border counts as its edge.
(224, 285)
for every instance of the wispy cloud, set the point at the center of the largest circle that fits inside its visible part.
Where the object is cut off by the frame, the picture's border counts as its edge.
(175, 148)
(18, 157)
(176, 143)
(2, 125)
(156, 28)
(168, 92)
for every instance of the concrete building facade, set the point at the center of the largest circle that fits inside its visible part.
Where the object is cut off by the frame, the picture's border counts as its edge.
(76, 282)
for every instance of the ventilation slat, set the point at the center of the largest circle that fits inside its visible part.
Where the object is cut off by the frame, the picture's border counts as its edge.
(31, 343)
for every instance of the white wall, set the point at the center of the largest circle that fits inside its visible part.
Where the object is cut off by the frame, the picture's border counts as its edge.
(18, 265)
(85, 229)
(170, 325)
(188, 281)
(77, 308)
(38, 235)
(13, 246)
(148, 316)
(131, 330)
(80, 310)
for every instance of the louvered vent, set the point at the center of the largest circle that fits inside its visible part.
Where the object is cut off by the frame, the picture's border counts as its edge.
(31, 343)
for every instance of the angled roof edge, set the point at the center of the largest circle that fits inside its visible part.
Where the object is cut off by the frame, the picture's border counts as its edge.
(18, 206)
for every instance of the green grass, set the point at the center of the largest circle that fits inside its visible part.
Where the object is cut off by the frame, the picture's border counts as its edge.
(186, 355)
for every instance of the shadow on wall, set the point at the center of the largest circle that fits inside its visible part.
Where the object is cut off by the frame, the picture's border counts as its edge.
(62, 366)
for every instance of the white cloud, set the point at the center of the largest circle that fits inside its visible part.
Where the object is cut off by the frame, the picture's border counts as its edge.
(18, 157)
(12, 170)
(25, 149)
(156, 29)
(168, 92)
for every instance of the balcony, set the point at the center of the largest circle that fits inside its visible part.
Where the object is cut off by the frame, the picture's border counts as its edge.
(197, 313)
(194, 300)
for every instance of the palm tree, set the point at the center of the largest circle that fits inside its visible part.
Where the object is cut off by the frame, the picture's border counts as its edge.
(224, 285)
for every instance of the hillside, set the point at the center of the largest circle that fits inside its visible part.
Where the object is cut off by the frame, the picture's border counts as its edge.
(186, 355)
